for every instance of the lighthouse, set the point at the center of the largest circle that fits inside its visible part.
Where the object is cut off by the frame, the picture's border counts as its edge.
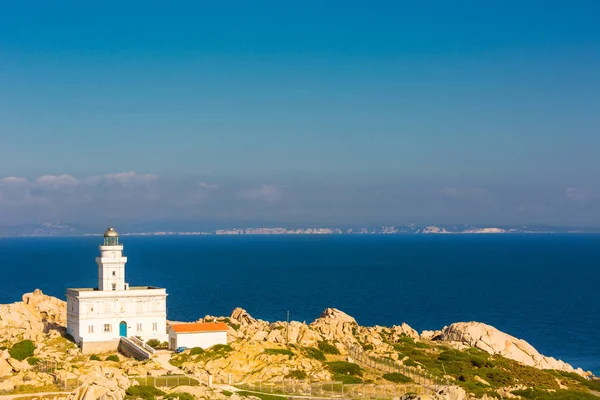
(111, 263)
(98, 317)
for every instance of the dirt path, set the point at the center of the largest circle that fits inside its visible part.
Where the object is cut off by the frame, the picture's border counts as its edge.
(163, 357)
(21, 395)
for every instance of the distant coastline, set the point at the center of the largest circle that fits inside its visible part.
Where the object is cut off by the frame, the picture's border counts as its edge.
(56, 229)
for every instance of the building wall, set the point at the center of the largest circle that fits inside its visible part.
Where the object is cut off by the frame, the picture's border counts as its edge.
(198, 339)
(88, 312)
(100, 347)
(111, 268)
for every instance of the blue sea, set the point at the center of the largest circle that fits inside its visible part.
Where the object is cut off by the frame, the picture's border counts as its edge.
(541, 288)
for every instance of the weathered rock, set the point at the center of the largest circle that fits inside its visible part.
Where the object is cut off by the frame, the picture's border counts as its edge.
(5, 368)
(240, 315)
(107, 385)
(398, 331)
(335, 325)
(430, 335)
(493, 341)
(18, 366)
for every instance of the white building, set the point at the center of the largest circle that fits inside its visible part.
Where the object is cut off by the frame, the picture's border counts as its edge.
(200, 334)
(98, 317)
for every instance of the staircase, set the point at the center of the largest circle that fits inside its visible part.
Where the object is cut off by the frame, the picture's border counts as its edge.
(135, 348)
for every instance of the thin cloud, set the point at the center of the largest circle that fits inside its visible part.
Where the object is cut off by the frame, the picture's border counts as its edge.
(13, 179)
(579, 195)
(267, 193)
(209, 186)
(57, 180)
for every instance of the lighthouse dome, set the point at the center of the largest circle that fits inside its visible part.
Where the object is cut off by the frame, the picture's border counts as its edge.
(110, 232)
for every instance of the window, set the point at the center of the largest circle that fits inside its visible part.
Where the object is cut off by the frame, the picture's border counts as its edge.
(114, 286)
(91, 308)
(155, 326)
(139, 327)
(91, 329)
(107, 328)
(114, 273)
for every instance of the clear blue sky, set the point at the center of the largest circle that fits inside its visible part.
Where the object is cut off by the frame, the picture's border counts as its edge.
(457, 97)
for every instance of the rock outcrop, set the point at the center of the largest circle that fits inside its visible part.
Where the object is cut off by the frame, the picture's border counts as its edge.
(34, 316)
(106, 385)
(493, 341)
(336, 326)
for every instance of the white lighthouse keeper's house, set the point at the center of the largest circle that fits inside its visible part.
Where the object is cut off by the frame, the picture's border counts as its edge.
(98, 317)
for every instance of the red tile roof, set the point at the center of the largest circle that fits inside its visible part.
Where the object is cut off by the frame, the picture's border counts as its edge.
(200, 327)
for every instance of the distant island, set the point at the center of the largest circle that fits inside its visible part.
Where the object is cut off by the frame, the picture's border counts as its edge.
(193, 229)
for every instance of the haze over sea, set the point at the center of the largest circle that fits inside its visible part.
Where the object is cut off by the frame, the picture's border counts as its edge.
(542, 288)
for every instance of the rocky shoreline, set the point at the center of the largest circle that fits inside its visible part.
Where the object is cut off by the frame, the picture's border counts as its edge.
(475, 359)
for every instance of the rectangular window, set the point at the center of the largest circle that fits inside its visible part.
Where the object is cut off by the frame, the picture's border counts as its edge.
(91, 329)
(107, 328)
(91, 308)
(155, 326)
(114, 273)
(114, 286)
(139, 327)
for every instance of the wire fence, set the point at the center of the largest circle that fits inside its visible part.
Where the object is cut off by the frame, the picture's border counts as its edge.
(171, 380)
(336, 389)
(419, 376)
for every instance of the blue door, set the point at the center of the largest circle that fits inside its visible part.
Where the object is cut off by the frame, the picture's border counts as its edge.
(123, 329)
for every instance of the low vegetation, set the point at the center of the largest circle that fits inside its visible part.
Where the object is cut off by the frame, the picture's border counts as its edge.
(157, 344)
(328, 348)
(313, 353)
(285, 352)
(262, 396)
(22, 350)
(113, 357)
(540, 394)
(472, 367)
(344, 368)
(33, 361)
(397, 377)
(296, 374)
(145, 392)
(180, 396)
(196, 351)
(94, 357)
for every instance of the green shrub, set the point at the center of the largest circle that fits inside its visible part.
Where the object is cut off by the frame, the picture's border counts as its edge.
(284, 352)
(421, 345)
(407, 340)
(226, 393)
(196, 350)
(328, 348)
(347, 379)
(33, 360)
(216, 351)
(538, 394)
(313, 353)
(236, 327)
(94, 357)
(397, 377)
(22, 350)
(164, 345)
(143, 392)
(2, 348)
(154, 343)
(367, 347)
(296, 374)
(113, 357)
(410, 363)
(180, 396)
(344, 368)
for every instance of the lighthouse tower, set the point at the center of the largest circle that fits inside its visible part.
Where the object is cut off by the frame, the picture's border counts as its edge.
(99, 317)
(111, 263)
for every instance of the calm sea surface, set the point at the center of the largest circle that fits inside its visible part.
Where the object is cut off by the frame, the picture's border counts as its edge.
(544, 289)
